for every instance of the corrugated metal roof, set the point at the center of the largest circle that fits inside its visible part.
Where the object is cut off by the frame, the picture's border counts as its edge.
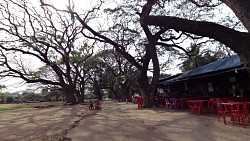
(222, 64)
(214, 67)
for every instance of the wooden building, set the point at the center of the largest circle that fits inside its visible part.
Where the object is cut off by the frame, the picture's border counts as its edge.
(227, 77)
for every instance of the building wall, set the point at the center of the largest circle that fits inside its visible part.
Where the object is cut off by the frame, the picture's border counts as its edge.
(222, 85)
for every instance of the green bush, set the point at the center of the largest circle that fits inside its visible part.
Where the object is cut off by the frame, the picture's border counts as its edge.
(10, 99)
(2, 97)
(90, 96)
(32, 97)
(53, 96)
(110, 95)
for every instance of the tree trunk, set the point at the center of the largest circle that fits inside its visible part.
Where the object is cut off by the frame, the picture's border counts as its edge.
(156, 69)
(116, 94)
(82, 91)
(69, 94)
(97, 90)
(79, 96)
(148, 91)
(241, 9)
(125, 89)
(143, 80)
(144, 89)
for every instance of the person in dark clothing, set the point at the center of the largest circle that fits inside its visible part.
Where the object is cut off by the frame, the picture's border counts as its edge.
(91, 105)
(97, 105)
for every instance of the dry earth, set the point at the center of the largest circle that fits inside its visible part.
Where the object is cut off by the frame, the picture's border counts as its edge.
(45, 122)
(124, 122)
(115, 122)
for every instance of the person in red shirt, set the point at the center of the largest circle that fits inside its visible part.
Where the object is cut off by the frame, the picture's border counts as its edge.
(140, 101)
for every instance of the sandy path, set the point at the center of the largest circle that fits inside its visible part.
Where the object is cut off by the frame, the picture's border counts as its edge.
(123, 122)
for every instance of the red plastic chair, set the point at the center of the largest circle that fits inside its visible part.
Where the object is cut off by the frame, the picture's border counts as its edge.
(222, 112)
(229, 108)
(199, 106)
(184, 103)
(210, 106)
(168, 104)
(190, 106)
(216, 103)
(176, 104)
(229, 100)
(241, 112)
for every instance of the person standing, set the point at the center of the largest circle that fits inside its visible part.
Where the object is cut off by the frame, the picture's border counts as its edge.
(91, 105)
(140, 101)
(97, 107)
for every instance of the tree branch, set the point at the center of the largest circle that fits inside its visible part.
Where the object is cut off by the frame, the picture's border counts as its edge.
(106, 39)
(173, 45)
(227, 36)
(204, 4)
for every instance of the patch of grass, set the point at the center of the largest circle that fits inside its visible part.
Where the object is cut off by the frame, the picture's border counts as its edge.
(14, 108)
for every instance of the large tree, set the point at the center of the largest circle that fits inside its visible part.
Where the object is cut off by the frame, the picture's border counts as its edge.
(152, 39)
(47, 38)
(79, 60)
(156, 35)
(119, 75)
(236, 40)
(121, 45)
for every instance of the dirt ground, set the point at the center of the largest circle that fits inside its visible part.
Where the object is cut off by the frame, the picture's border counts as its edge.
(45, 122)
(115, 122)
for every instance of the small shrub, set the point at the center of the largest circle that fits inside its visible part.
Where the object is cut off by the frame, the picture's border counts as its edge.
(9, 99)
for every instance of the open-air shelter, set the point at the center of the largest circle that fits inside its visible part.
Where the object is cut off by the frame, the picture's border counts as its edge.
(226, 77)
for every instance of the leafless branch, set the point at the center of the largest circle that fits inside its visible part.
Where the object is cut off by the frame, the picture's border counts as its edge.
(204, 3)
(173, 45)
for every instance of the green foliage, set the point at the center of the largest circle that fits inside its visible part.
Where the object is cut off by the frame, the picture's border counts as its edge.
(53, 96)
(2, 97)
(80, 54)
(110, 95)
(200, 57)
(90, 96)
(2, 87)
(31, 97)
(33, 75)
(76, 58)
(116, 74)
(15, 95)
(10, 99)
